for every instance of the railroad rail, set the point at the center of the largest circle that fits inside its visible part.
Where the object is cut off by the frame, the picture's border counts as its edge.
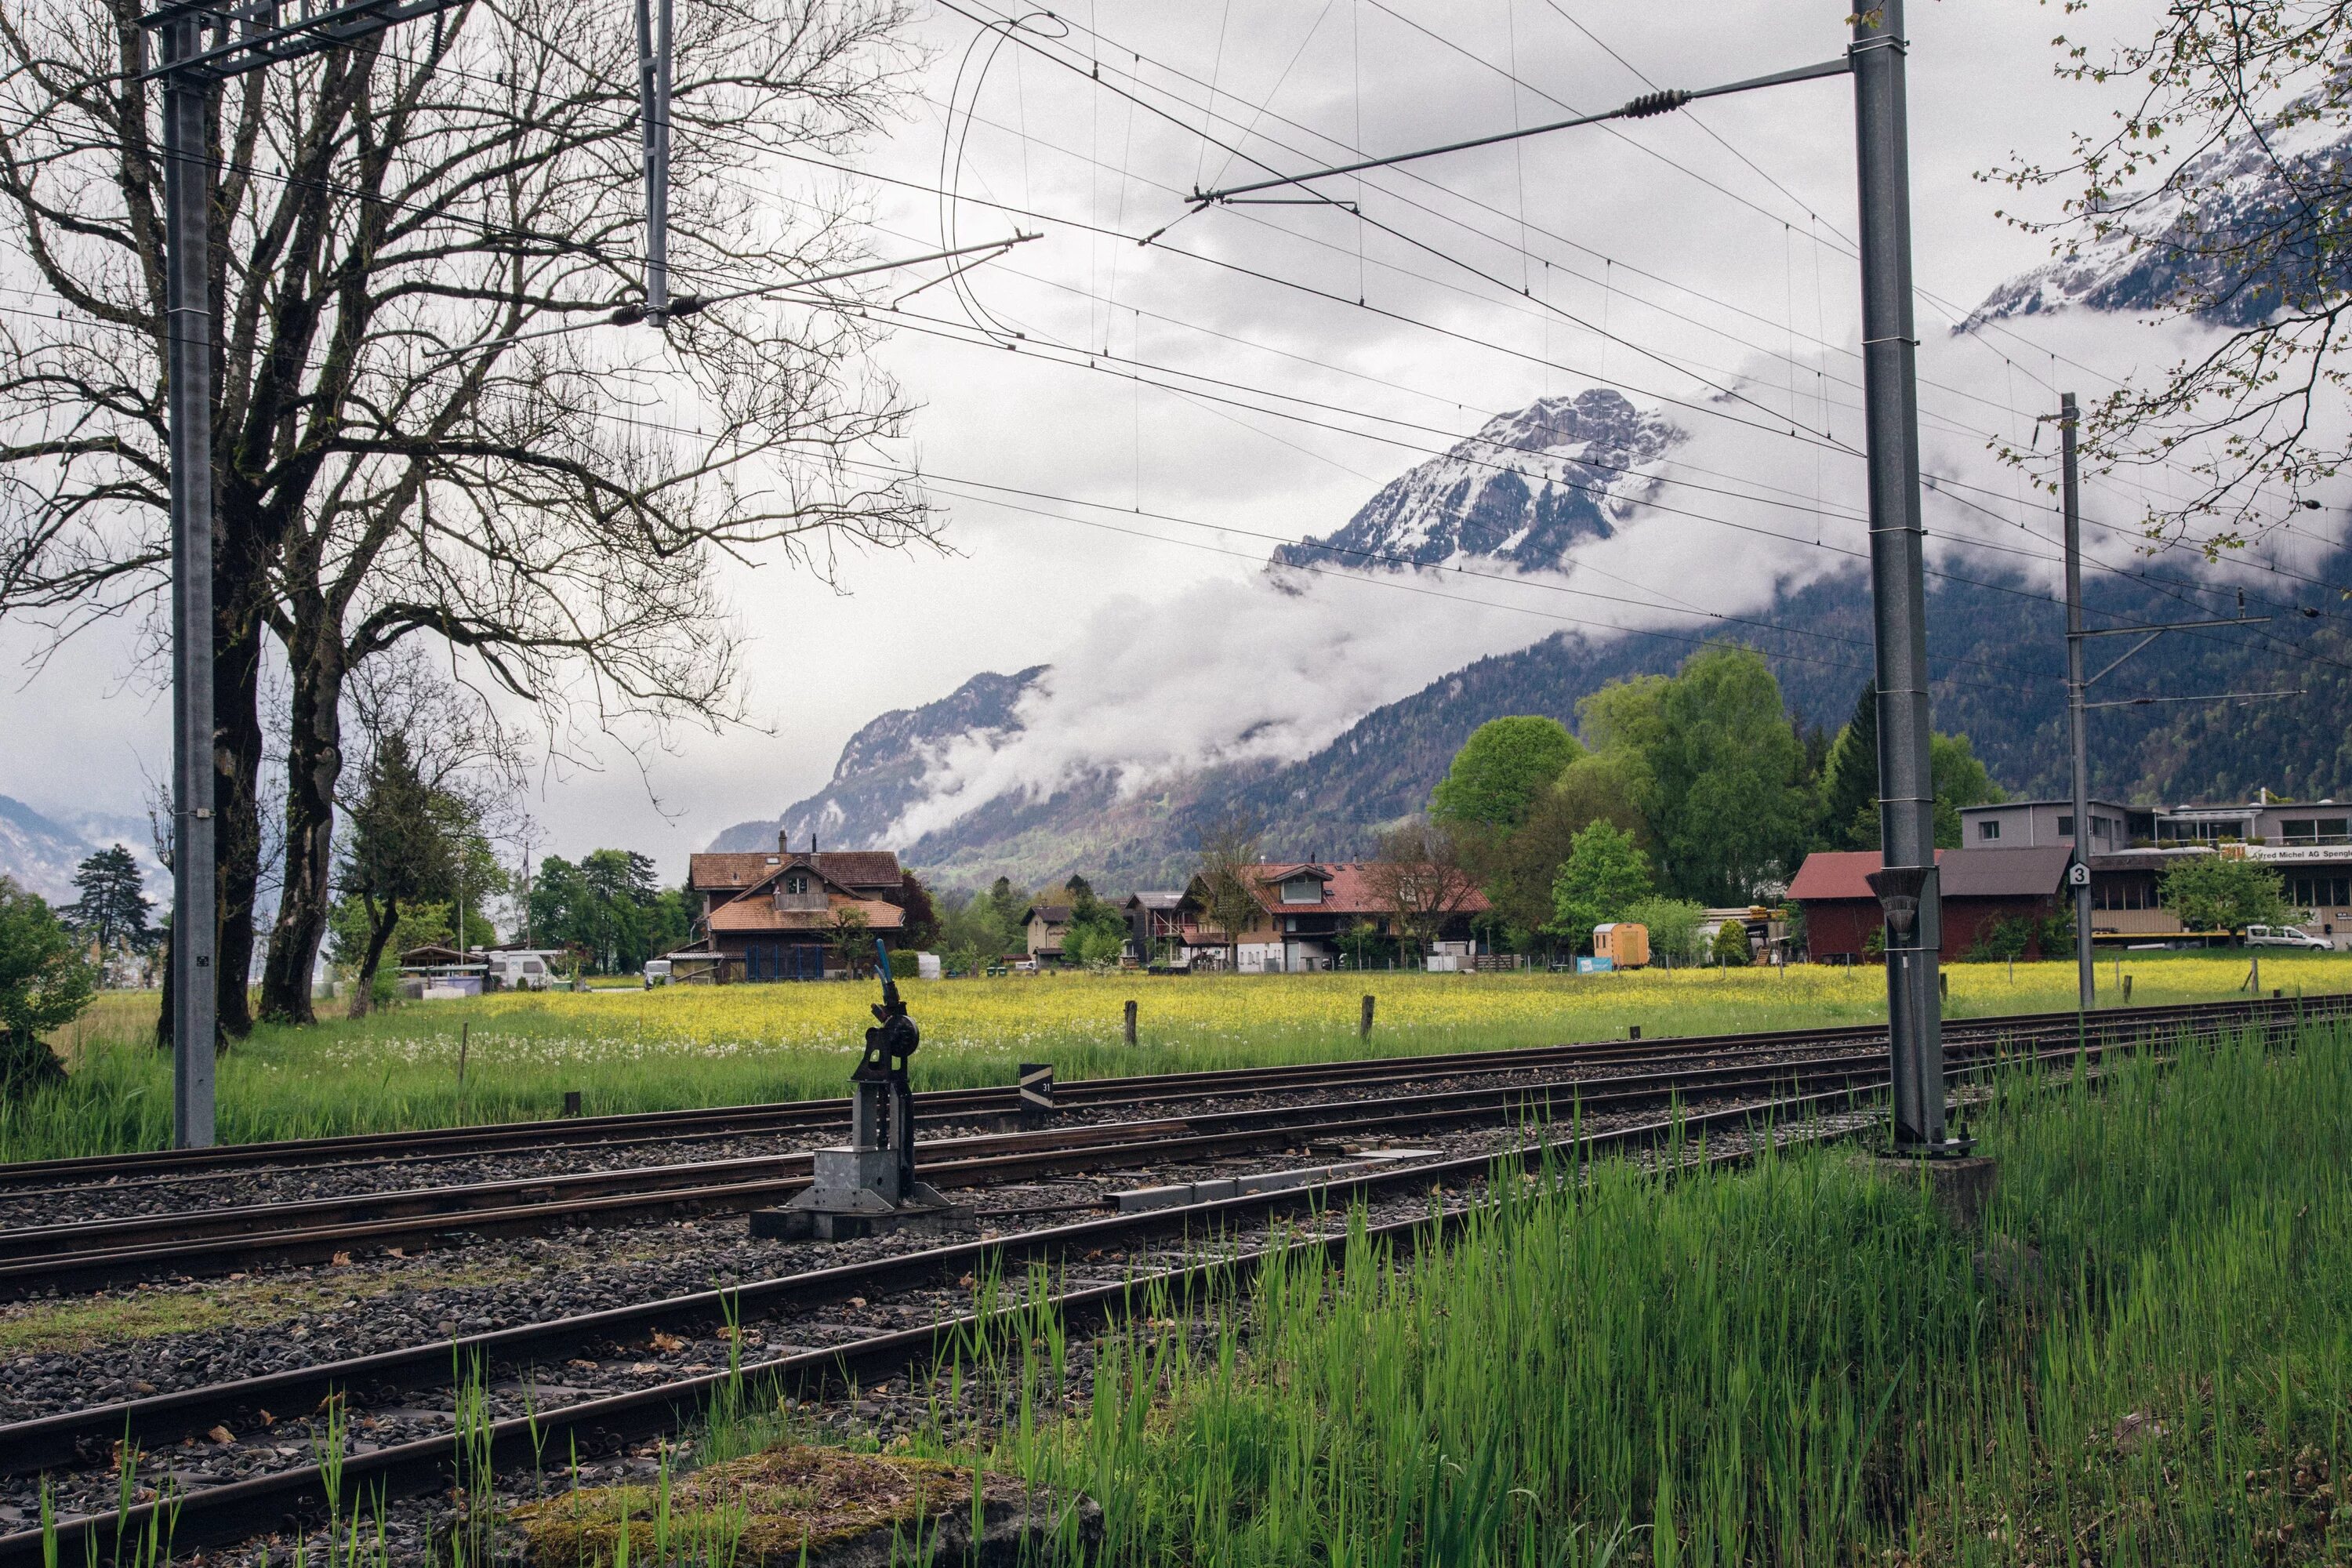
(947, 1106)
(91, 1254)
(258, 1504)
(293, 1495)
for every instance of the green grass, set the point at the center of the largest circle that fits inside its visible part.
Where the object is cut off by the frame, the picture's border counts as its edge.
(2146, 1358)
(687, 1047)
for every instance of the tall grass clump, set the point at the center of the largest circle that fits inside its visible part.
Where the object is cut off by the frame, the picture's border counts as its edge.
(2141, 1357)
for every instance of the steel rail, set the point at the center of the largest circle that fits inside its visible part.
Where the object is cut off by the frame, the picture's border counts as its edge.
(260, 1504)
(36, 1443)
(111, 1252)
(937, 1105)
(451, 1201)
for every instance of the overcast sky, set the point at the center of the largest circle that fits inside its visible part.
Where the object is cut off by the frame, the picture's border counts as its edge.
(1710, 246)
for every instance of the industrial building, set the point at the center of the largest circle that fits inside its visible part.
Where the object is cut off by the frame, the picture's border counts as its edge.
(2310, 844)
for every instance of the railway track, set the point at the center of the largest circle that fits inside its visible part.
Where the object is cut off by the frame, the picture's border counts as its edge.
(939, 1107)
(81, 1257)
(262, 1503)
(220, 1239)
(294, 1496)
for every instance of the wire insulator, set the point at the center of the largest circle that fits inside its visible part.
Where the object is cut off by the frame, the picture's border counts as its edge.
(1650, 103)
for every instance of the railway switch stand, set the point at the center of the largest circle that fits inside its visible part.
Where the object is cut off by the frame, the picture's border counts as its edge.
(869, 1185)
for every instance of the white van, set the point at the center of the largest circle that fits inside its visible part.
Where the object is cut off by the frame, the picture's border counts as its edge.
(656, 972)
(2287, 936)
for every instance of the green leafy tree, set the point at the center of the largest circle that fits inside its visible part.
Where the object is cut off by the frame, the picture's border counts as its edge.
(1096, 939)
(113, 907)
(611, 905)
(1097, 934)
(1604, 873)
(1516, 868)
(44, 986)
(1850, 777)
(2210, 893)
(402, 850)
(1729, 812)
(1500, 772)
(1673, 925)
(1731, 945)
(969, 936)
(1850, 783)
(1008, 902)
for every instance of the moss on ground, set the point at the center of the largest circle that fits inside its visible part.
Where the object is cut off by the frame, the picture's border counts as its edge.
(770, 1508)
(85, 1322)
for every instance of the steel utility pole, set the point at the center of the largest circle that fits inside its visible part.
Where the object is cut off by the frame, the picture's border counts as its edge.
(1906, 884)
(2078, 686)
(1906, 805)
(2086, 983)
(188, 370)
(653, 110)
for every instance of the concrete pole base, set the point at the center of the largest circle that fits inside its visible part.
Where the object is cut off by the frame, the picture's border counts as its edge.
(1960, 1187)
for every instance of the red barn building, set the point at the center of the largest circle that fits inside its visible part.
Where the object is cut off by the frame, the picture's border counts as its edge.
(1979, 886)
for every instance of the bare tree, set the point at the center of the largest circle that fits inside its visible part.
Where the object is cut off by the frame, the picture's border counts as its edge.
(1420, 876)
(427, 422)
(2227, 186)
(1231, 850)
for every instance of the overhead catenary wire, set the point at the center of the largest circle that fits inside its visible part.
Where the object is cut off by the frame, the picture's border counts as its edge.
(779, 286)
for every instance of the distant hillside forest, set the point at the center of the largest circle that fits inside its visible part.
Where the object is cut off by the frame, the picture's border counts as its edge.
(1997, 646)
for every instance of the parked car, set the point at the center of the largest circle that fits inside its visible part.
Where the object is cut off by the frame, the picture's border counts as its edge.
(2287, 936)
(656, 972)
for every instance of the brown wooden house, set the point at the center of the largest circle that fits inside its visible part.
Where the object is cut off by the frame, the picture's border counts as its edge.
(783, 916)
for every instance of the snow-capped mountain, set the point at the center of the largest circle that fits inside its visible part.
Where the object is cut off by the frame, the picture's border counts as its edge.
(884, 768)
(1525, 488)
(2205, 237)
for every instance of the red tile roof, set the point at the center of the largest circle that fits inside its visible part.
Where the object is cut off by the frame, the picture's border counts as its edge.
(741, 915)
(732, 871)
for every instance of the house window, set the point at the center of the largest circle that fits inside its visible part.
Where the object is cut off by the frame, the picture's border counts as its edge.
(797, 883)
(2320, 892)
(1988, 831)
(2312, 830)
(2066, 825)
(1302, 890)
(2134, 893)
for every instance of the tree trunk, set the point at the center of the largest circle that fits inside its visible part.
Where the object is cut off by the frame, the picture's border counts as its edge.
(380, 927)
(164, 1014)
(237, 763)
(314, 761)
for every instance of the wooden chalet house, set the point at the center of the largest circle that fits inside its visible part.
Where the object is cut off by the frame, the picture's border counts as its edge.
(781, 916)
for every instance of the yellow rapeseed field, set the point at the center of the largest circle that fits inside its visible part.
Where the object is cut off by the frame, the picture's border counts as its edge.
(686, 1045)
